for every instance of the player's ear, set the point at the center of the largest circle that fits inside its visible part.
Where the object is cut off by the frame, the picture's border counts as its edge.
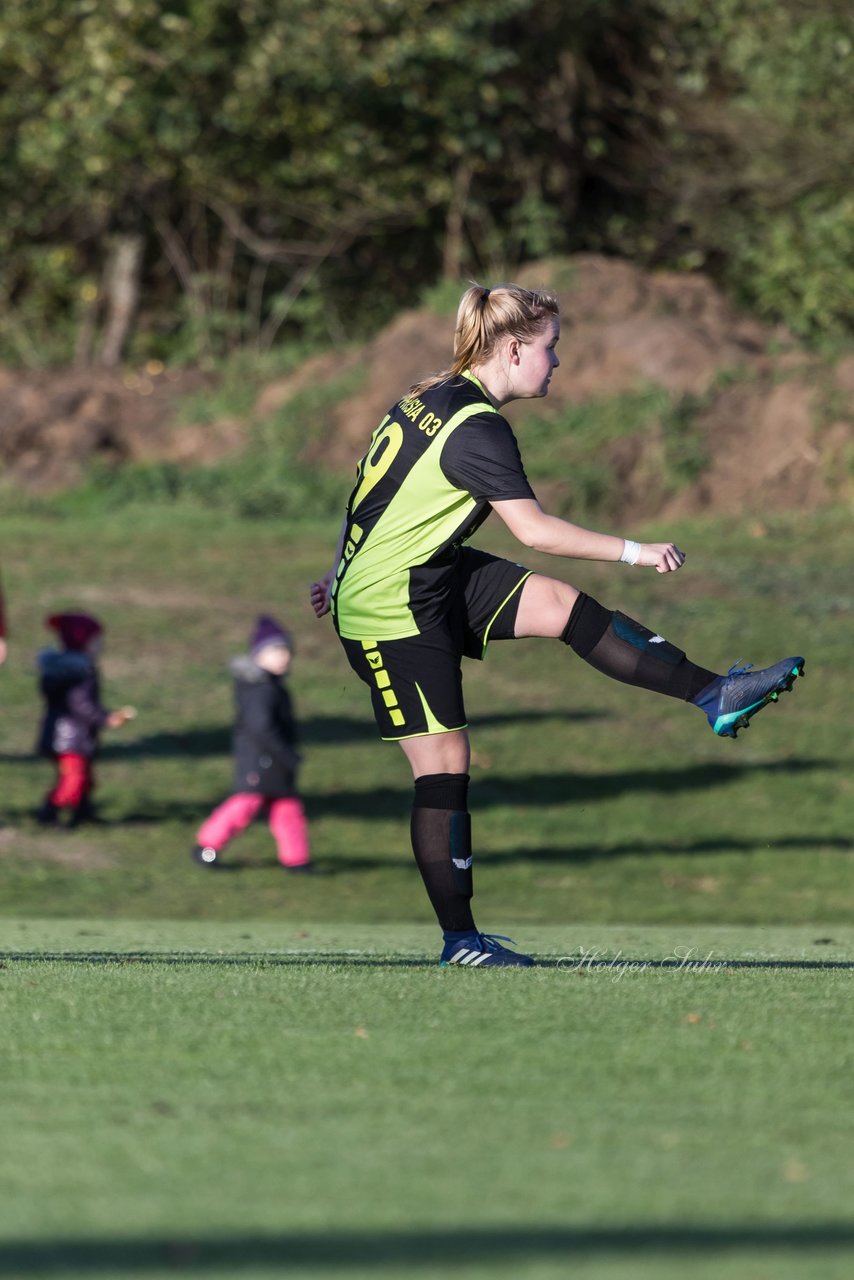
(514, 349)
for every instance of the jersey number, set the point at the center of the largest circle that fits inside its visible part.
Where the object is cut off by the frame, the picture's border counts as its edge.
(378, 459)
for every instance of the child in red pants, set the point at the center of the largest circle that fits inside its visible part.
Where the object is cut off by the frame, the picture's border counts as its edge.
(265, 756)
(73, 716)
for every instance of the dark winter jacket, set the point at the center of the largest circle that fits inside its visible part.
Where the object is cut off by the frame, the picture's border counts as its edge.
(73, 714)
(265, 739)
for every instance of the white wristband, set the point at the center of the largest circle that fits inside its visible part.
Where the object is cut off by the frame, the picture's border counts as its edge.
(631, 552)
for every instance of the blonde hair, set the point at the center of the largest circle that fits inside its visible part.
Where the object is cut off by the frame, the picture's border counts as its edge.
(484, 316)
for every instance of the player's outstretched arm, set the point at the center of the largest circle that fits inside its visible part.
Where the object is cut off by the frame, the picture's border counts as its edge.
(534, 528)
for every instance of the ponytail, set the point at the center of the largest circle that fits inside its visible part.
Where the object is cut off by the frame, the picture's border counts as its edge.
(484, 317)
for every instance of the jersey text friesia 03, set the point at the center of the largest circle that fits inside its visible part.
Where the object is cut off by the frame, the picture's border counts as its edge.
(435, 463)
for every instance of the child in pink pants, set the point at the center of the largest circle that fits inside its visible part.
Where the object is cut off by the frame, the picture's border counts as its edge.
(265, 756)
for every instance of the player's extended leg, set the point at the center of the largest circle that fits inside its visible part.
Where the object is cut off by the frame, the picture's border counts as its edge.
(441, 842)
(626, 650)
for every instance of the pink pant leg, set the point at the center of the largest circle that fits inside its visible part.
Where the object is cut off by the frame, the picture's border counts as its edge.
(229, 819)
(290, 831)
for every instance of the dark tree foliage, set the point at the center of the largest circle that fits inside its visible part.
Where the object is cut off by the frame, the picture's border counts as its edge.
(183, 177)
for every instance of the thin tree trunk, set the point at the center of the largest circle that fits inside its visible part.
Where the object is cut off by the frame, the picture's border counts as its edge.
(122, 296)
(253, 308)
(87, 328)
(452, 258)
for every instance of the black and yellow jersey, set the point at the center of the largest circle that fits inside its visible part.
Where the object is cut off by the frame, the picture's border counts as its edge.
(434, 464)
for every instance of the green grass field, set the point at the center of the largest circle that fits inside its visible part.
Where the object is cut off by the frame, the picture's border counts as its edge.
(248, 1074)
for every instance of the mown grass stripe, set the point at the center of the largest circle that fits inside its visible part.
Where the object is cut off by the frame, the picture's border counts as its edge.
(565, 963)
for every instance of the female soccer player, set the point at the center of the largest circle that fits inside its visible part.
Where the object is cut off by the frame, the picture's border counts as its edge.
(409, 599)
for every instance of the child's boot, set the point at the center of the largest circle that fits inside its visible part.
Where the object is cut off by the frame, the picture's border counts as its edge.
(47, 813)
(85, 811)
(205, 855)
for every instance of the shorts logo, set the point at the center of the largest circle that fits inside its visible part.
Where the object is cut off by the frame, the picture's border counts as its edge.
(349, 551)
(374, 659)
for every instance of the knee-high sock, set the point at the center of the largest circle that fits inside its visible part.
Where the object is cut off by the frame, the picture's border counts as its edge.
(441, 842)
(626, 650)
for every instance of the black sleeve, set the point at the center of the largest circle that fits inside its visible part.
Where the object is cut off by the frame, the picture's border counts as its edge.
(482, 457)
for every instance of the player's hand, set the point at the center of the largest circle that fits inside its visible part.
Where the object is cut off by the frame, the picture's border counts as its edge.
(664, 557)
(320, 593)
(2, 652)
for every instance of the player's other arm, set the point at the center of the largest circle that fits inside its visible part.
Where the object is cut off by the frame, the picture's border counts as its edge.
(534, 528)
(320, 590)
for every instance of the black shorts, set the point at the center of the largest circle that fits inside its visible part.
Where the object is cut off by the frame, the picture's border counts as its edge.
(416, 683)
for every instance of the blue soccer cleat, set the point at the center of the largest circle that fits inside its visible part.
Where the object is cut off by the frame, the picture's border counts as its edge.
(480, 950)
(731, 700)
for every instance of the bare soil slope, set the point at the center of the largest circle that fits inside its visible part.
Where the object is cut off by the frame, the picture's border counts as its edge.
(777, 423)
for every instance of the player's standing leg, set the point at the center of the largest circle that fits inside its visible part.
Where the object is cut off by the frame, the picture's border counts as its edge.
(441, 842)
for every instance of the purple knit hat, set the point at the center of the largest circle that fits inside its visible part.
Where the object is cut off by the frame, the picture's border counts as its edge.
(268, 631)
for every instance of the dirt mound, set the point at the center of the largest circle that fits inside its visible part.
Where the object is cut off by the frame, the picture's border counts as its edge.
(52, 425)
(774, 422)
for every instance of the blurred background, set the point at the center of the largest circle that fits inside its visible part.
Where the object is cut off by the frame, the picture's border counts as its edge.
(195, 196)
(232, 233)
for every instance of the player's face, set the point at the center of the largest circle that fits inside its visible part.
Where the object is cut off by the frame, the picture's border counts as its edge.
(537, 362)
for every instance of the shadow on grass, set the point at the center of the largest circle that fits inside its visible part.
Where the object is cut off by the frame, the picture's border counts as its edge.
(536, 790)
(526, 790)
(193, 744)
(184, 811)
(215, 739)
(658, 848)
(415, 1250)
(518, 791)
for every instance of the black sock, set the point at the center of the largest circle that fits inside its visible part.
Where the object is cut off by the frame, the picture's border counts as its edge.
(625, 650)
(441, 842)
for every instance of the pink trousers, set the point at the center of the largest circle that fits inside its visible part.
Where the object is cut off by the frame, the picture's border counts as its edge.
(286, 818)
